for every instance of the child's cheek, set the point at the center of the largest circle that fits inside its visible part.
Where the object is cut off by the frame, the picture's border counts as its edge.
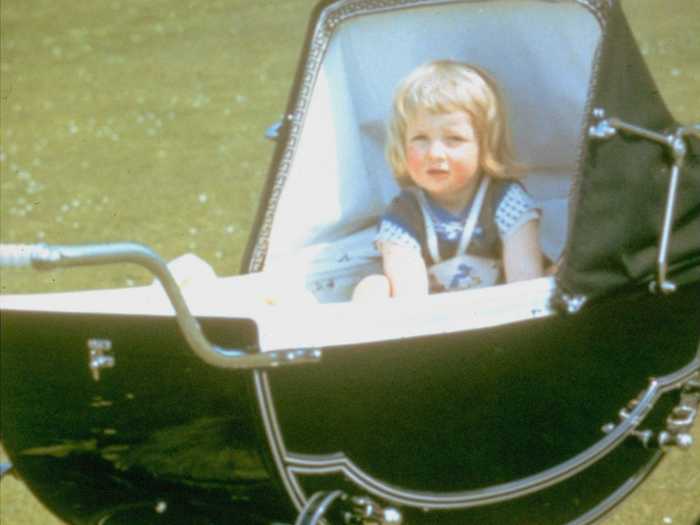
(414, 158)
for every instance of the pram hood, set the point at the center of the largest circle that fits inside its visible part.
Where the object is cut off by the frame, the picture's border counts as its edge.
(624, 181)
(557, 62)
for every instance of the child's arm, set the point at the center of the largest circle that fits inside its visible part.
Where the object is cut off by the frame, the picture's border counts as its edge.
(405, 269)
(522, 258)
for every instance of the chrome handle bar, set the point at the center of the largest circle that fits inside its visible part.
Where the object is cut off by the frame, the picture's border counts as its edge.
(48, 257)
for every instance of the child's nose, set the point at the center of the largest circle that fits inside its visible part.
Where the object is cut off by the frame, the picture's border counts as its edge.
(436, 149)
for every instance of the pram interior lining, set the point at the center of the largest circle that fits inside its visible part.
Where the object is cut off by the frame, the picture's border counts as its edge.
(338, 182)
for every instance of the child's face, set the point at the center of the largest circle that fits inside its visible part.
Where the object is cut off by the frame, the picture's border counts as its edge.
(442, 155)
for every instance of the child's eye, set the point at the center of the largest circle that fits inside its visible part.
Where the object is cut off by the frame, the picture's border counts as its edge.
(418, 139)
(455, 140)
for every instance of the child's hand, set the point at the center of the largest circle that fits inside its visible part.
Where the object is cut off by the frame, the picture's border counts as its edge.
(405, 269)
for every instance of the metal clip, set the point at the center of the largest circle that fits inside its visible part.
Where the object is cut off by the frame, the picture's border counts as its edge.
(365, 511)
(681, 417)
(602, 128)
(98, 356)
(668, 440)
(356, 510)
(605, 128)
(678, 423)
(572, 303)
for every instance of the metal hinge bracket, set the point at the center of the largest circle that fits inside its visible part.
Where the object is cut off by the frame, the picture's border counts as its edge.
(606, 127)
(99, 356)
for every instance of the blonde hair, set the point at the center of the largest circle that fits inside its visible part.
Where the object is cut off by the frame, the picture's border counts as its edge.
(444, 86)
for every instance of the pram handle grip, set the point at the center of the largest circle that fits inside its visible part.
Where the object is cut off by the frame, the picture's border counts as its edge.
(20, 255)
(47, 257)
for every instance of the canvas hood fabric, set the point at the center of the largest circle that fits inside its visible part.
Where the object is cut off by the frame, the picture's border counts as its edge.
(620, 197)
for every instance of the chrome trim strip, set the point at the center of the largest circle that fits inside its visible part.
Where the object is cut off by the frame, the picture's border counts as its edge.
(624, 490)
(338, 463)
(274, 438)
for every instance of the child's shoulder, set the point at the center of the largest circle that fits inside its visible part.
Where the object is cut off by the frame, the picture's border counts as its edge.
(509, 193)
(402, 221)
(500, 188)
(405, 207)
(512, 206)
(407, 200)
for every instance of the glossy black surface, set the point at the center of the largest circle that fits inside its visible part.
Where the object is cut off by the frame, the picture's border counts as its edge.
(160, 438)
(467, 411)
(165, 438)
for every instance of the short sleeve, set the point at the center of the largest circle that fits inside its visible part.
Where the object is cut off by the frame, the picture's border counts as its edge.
(515, 208)
(395, 234)
(400, 223)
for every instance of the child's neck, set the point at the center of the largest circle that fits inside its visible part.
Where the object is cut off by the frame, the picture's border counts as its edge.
(458, 201)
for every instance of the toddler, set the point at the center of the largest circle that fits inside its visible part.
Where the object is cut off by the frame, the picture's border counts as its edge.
(461, 220)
